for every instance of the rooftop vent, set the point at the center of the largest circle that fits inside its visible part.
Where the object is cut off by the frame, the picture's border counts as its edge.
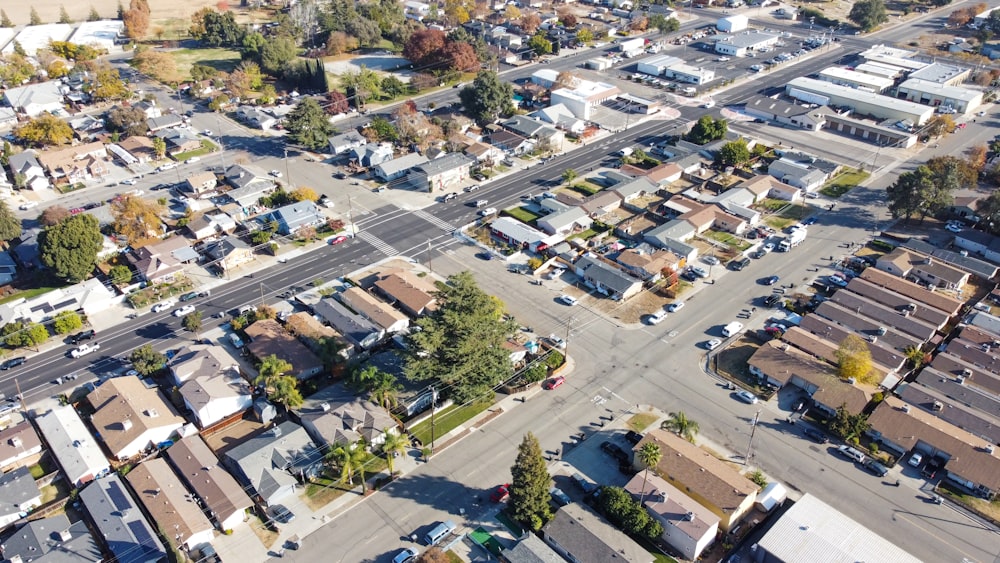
(325, 407)
(65, 535)
(127, 424)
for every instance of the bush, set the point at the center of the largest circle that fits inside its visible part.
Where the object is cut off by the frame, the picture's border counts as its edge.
(554, 359)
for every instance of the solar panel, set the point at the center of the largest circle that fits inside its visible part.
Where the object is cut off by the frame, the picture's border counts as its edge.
(118, 496)
(141, 534)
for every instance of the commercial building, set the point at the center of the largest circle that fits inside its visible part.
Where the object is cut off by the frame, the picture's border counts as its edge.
(802, 116)
(655, 65)
(854, 79)
(739, 45)
(581, 99)
(860, 102)
(892, 56)
(35, 37)
(733, 24)
(962, 100)
(879, 69)
(942, 73)
(101, 34)
(682, 72)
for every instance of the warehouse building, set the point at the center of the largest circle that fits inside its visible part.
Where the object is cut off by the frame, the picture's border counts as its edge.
(739, 45)
(860, 102)
(962, 100)
(854, 79)
(733, 24)
(658, 64)
(683, 72)
(879, 69)
(35, 37)
(942, 73)
(102, 34)
(894, 57)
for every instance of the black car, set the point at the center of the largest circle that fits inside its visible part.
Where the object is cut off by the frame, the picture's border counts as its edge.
(615, 451)
(13, 362)
(876, 468)
(280, 513)
(816, 435)
(633, 437)
(772, 300)
(83, 336)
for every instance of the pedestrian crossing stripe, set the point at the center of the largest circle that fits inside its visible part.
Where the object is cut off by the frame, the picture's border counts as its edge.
(379, 244)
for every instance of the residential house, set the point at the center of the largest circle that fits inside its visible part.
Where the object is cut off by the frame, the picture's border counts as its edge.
(899, 303)
(800, 174)
(255, 118)
(71, 444)
(531, 549)
(164, 122)
(161, 262)
(372, 154)
(562, 118)
(76, 164)
(336, 416)
(398, 167)
(210, 225)
(346, 142)
(416, 10)
(18, 494)
(52, 540)
(231, 253)
(601, 203)
(179, 140)
(140, 147)
(119, 523)
(8, 118)
(311, 332)
(149, 108)
(979, 242)
(571, 220)
(244, 175)
(965, 207)
(688, 527)
(168, 503)
(8, 268)
(91, 296)
(517, 234)
(672, 236)
(131, 417)
(86, 127)
(210, 383)
(901, 318)
(295, 216)
(606, 278)
(36, 99)
(269, 465)
(778, 365)
(442, 173)
(220, 494)
(580, 535)
(374, 310)
(908, 264)
(646, 262)
(968, 264)
(25, 164)
(510, 143)
(19, 446)
(542, 133)
(710, 481)
(912, 291)
(484, 153)
(201, 182)
(405, 290)
(660, 175)
(267, 337)
(357, 330)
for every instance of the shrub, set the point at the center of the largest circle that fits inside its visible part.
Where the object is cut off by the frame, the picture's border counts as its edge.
(554, 359)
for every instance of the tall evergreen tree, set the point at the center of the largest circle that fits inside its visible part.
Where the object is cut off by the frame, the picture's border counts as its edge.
(93, 16)
(530, 484)
(64, 15)
(10, 225)
(35, 19)
(5, 20)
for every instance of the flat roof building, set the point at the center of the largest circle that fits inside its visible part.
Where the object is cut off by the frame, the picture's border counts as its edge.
(854, 79)
(738, 45)
(101, 33)
(655, 65)
(892, 56)
(942, 73)
(926, 92)
(861, 102)
(879, 69)
(683, 72)
(35, 37)
(582, 98)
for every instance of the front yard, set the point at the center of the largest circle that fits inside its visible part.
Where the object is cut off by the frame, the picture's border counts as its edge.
(843, 182)
(220, 59)
(206, 148)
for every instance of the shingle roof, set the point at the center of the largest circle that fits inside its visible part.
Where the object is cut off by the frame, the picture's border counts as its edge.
(267, 459)
(42, 541)
(120, 522)
(199, 467)
(910, 290)
(166, 499)
(125, 409)
(590, 538)
(372, 308)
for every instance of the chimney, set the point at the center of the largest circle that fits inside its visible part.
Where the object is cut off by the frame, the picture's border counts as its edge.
(65, 535)
(689, 516)
(325, 407)
(152, 413)
(16, 442)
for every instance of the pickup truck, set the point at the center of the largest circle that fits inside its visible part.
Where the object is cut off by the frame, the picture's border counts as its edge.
(85, 349)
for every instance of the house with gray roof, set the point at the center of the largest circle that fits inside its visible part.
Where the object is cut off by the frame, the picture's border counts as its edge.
(442, 173)
(531, 549)
(969, 264)
(76, 451)
(162, 122)
(372, 154)
(294, 216)
(231, 252)
(565, 222)
(18, 494)
(562, 118)
(606, 278)
(243, 175)
(579, 534)
(179, 140)
(36, 99)
(801, 174)
(119, 523)
(271, 464)
(398, 167)
(346, 142)
(27, 164)
(358, 330)
(335, 416)
(52, 540)
(672, 236)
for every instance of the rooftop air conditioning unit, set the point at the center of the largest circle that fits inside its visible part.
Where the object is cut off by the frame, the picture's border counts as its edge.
(325, 407)
(938, 406)
(905, 408)
(966, 372)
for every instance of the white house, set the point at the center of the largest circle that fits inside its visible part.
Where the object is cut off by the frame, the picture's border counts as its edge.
(688, 526)
(71, 443)
(398, 167)
(210, 383)
(346, 142)
(566, 221)
(18, 494)
(90, 295)
(36, 99)
(442, 173)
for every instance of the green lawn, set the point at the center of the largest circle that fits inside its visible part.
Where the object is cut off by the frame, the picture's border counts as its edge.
(586, 188)
(728, 239)
(522, 215)
(843, 183)
(447, 420)
(219, 59)
(584, 234)
(206, 147)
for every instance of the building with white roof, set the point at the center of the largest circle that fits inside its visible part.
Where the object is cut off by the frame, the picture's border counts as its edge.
(942, 73)
(892, 56)
(981, 17)
(812, 530)
(77, 452)
(6, 34)
(683, 72)
(854, 79)
(879, 69)
(738, 45)
(655, 65)
(861, 102)
(581, 99)
(101, 33)
(963, 100)
(36, 99)
(35, 37)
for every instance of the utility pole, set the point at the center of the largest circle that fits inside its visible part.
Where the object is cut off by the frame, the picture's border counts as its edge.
(288, 174)
(433, 408)
(350, 215)
(222, 149)
(430, 257)
(20, 398)
(261, 285)
(753, 430)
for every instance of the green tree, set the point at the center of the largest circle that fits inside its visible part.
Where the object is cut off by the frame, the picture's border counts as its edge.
(758, 478)
(734, 153)
(66, 322)
(220, 30)
(868, 14)
(120, 274)
(849, 427)
(487, 97)
(34, 335)
(569, 175)
(127, 121)
(393, 87)
(308, 126)
(908, 195)
(10, 225)
(202, 72)
(649, 455)
(93, 16)
(70, 247)
(192, 322)
(854, 359)
(276, 54)
(461, 343)
(285, 391)
(627, 513)
(395, 444)
(5, 20)
(46, 129)
(350, 459)
(270, 368)
(916, 356)
(680, 424)
(64, 15)
(147, 361)
(361, 85)
(664, 24)
(159, 147)
(530, 484)
(989, 210)
(584, 35)
(384, 391)
(707, 129)
(13, 334)
(539, 44)
(34, 18)
(939, 125)
(252, 45)
(384, 130)
(16, 68)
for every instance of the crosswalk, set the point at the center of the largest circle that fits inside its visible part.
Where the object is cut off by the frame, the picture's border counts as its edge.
(378, 243)
(437, 222)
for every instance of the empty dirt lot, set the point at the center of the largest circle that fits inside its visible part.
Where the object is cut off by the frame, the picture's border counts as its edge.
(48, 10)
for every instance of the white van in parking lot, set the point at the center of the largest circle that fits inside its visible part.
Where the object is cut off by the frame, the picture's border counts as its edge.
(731, 329)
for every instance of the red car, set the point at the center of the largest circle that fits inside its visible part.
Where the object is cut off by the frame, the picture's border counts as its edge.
(501, 493)
(554, 382)
(338, 239)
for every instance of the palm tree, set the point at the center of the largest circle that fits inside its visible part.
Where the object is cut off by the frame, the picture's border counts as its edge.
(350, 458)
(395, 444)
(680, 424)
(649, 454)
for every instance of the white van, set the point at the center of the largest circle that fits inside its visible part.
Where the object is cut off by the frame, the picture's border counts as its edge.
(731, 329)
(439, 532)
(657, 317)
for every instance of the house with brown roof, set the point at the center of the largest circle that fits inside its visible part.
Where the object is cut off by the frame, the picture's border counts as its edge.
(20, 446)
(901, 304)
(267, 337)
(375, 310)
(311, 332)
(201, 182)
(704, 216)
(168, 503)
(820, 348)
(661, 174)
(965, 207)
(647, 263)
(406, 291)
(884, 355)
(140, 147)
(866, 328)
(966, 461)
(708, 480)
(688, 526)
(130, 417)
(780, 364)
(218, 491)
(602, 203)
(160, 262)
(335, 416)
(76, 164)
(912, 291)
(909, 264)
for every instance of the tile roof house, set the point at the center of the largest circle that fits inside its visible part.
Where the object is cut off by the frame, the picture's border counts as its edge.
(406, 291)
(18, 494)
(231, 252)
(688, 526)
(169, 504)
(483, 152)
(335, 416)
(442, 173)
(119, 523)
(131, 417)
(356, 329)
(606, 278)
(710, 481)
(201, 182)
(36, 99)
(268, 337)
(52, 540)
(782, 365)
(219, 492)
(580, 535)
(295, 216)
(70, 442)
(267, 464)
(19, 445)
(906, 264)
(374, 309)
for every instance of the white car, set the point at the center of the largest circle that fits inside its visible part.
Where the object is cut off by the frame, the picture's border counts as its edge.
(84, 350)
(557, 342)
(713, 344)
(657, 317)
(487, 212)
(747, 397)
(709, 104)
(192, 160)
(185, 310)
(128, 182)
(207, 132)
(953, 227)
(28, 205)
(915, 459)
(275, 173)
(675, 306)
(768, 247)
(568, 300)
(711, 260)
(161, 307)
(723, 59)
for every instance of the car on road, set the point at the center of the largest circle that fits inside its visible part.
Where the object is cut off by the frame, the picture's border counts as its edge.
(916, 459)
(83, 336)
(13, 363)
(772, 300)
(554, 382)
(711, 260)
(487, 212)
(614, 450)
(746, 397)
(675, 306)
(128, 182)
(501, 493)
(756, 68)
(713, 344)
(189, 296)
(568, 300)
(338, 240)
(280, 513)
(767, 248)
(471, 188)
(484, 255)
(633, 437)
(699, 271)
(809, 221)
(207, 132)
(449, 197)
(185, 310)
(815, 435)
(876, 468)
(770, 280)
(709, 104)
(275, 173)
(407, 555)
(192, 160)
(953, 227)
(84, 350)
(657, 317)
(479, 203)
(28, 205)
(723, 59)
(160, 307)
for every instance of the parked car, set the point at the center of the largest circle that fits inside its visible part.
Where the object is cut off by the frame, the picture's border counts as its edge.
(675, 306)
(559, 497)
(275, 173)
(916, 459)
(471, 188)
(163, 306)
(711, 260)
(770, 280)
(633, 437)
(713, 344)
(876, 468)
(816, 435)
(338, 239)
(83, 336)
(13, 363)
(746, 397)
(614, 450)
(772, 300)
(809, 221)
(185, 310)
(407, 555)
(501, 493)
(280, 513)
(584, 483)
(128, 182)
(554, 382)
(699, 271)
(568, 300)
(189, 296)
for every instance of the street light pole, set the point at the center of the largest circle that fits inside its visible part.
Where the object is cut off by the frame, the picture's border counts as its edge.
(288, 174)
(433, 408)
(753, 430)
